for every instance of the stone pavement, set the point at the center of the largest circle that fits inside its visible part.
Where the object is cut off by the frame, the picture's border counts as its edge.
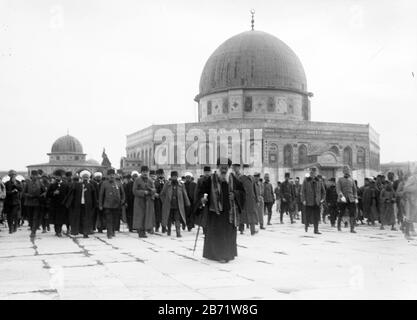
(282, 262)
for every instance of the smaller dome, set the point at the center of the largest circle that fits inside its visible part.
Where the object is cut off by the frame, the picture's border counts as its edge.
(93, 162)
(67, 144)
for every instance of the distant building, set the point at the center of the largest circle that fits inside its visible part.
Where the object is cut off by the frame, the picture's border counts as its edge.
(128, 165)
(67, 155)
(255, 82)
(409, 166)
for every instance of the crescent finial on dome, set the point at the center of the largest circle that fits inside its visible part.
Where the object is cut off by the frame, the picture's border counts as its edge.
(253, 19)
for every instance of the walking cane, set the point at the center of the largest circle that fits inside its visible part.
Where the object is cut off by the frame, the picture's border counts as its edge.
(196, 238)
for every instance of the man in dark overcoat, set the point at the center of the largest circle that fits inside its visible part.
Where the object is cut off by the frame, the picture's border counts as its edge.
(249, 211)
(81, 202)
(57, 192)
(159, 184)
(201, 210)
(32, 192)
(130, 199)
(313, 195)
(174, 203)
(190, 187)
(12, 201)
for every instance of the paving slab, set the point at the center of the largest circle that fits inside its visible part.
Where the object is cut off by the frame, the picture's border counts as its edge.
(281, 262)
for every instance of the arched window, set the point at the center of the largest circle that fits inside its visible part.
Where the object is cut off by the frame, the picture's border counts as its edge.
(288, 155)
(146, 157)
(305, 111)
(248, 104)
(273, 154)
(335, 150)
(225, 105)
(209, 111)
(271, 104)
(360, 156)
(302, 154)
(347, 156)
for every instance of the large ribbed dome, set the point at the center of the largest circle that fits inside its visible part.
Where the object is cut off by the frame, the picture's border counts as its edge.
(252, 60)
(67, 144)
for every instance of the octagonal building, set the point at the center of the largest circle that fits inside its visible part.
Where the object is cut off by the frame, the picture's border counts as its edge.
(67, 155)
(255, 84)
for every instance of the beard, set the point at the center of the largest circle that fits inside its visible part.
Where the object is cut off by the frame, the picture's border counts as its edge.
(223, 177)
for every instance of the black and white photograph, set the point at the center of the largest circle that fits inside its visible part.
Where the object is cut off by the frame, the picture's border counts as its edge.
(189, 150)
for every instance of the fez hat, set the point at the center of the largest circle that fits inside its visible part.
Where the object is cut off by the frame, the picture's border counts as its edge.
(207, 169)
(34, 173)
(144, 169)
(235, 164)
(346, 168)
(68, 174)
(287, 174)
(226, 161)
(152, 172)
(58, 173)
(174, 173)
(160, 171)
(246, 165)
(111, 171)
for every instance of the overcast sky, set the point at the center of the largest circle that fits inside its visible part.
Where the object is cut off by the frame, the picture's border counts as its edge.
(104, 69)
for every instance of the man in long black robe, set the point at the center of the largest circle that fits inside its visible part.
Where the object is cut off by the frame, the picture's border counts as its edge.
(159, 184)
(220, 238)
(190, 187)
(128, 188)
(57, 193)
(81, 202)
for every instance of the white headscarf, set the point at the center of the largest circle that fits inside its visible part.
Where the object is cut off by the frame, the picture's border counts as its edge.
(97, 174)
(85, 173)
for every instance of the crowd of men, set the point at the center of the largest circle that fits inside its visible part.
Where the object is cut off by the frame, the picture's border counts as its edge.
(222, 202)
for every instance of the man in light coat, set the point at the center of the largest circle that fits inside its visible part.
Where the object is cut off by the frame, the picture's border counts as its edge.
(348, 198)
(144, 207)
